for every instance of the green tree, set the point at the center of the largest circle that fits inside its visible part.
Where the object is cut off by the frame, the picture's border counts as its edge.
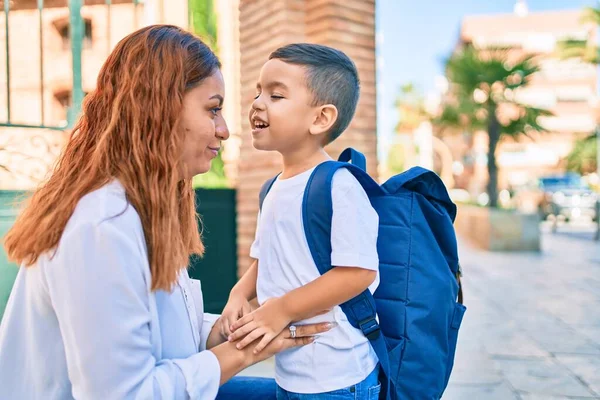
(203, 22)
(582, 158)
(576, 48)
(395, 159)
(411, 108)
(483, 92)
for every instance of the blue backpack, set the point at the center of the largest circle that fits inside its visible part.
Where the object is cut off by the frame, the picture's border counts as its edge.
(419, 298)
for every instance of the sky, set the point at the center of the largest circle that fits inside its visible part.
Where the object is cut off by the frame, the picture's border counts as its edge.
(415, 37)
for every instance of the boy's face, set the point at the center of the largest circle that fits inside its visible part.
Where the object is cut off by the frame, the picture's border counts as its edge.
(281, 115)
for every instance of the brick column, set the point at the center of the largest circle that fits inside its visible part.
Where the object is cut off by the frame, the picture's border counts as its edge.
(265, 25)
(349, 26)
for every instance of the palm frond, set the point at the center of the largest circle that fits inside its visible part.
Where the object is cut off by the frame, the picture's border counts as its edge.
(591, 15)
(527, 122)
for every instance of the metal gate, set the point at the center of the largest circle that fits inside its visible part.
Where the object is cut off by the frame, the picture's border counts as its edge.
(77, 30)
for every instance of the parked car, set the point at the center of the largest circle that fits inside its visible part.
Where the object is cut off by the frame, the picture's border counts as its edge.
(566, 196)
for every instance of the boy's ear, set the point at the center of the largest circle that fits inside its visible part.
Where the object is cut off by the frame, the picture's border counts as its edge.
(325, 117)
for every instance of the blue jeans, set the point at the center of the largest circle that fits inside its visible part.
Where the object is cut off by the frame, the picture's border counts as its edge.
(248, 388)
(366, 390)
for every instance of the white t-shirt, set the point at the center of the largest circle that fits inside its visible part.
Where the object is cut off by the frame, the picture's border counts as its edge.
(343, 356)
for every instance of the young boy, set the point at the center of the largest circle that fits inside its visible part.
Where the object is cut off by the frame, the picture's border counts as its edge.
(306, 97)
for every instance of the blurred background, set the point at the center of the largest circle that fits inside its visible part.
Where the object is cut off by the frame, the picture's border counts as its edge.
(501, 99)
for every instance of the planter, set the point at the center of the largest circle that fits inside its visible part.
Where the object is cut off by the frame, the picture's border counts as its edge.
(498, 229)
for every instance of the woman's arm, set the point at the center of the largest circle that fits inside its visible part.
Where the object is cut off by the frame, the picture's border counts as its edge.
(100, 289)
(233, 360)
(100, 294)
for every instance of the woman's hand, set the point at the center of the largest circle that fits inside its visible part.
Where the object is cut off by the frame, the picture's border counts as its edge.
(304, 335)
(215, 337)
(233, 360)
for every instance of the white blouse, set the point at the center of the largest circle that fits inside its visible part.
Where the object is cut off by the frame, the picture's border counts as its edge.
(83, 323)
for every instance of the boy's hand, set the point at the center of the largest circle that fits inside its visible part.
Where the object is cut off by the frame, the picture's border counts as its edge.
(236, 308)
(267, 322)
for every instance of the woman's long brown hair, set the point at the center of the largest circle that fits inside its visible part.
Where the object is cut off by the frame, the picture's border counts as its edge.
(128, 130)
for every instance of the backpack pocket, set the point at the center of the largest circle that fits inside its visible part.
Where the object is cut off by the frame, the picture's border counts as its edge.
(459, 312)
(395, 355)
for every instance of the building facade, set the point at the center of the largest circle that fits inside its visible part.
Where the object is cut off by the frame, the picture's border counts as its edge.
(566, 87)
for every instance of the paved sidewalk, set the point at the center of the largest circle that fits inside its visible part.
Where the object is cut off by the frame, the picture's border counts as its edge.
(532, 329)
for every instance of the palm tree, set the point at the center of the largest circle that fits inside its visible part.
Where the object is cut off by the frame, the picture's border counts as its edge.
(574, 48)
(584, 156)
(411, 108)
(483, 95)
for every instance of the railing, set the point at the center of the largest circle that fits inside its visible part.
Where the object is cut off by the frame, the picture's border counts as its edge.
(76, 35)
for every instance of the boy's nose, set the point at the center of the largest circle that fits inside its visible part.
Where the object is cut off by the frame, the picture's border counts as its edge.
(258, 104)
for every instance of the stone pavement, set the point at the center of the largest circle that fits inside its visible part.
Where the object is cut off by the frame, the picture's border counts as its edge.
(532, 328)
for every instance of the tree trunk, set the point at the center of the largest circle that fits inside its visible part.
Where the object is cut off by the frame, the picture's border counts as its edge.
(494, 138)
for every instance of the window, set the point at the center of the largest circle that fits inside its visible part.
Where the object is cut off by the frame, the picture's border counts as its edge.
(555, 69)
(574, 94)
(64, 98)
(62, 26)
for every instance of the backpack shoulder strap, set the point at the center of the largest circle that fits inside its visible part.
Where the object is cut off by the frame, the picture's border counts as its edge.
(317, 208)
(317, 214)
(264, 190)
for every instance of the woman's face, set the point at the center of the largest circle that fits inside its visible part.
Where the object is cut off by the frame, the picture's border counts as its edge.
(203, 126)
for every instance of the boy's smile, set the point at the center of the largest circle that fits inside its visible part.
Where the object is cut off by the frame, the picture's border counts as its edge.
(258, 125)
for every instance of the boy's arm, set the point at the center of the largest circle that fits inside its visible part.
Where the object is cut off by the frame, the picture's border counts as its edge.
(335, 287)
(246, 286)
(238, 303)
(244, 290)
(329, 290)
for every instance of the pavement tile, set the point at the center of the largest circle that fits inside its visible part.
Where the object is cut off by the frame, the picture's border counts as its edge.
(498, 391)
(586, 367)
(543, 377)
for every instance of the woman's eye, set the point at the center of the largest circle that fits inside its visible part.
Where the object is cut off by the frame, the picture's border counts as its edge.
(216, 110)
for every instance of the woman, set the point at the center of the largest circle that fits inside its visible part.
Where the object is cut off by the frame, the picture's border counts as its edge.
(103, 307)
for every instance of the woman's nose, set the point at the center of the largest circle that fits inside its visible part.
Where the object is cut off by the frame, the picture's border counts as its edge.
(221, 130)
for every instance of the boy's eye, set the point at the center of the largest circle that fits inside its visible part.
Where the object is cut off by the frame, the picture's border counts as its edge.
(276, 97)
(257, 96)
